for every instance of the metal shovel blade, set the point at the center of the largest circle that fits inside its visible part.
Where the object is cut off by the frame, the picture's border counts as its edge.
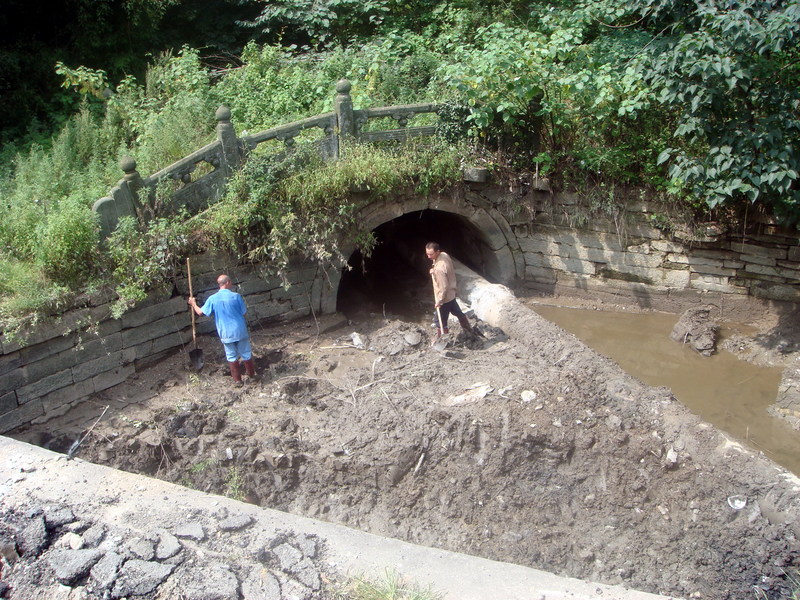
(196, 358)
(439, 345)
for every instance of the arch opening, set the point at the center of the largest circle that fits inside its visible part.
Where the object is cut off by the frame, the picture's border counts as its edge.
(394, 278)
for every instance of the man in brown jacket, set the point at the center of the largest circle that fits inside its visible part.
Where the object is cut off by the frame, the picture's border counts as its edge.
(443, 274)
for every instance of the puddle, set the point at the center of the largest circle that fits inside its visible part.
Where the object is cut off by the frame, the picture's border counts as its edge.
(731, 394)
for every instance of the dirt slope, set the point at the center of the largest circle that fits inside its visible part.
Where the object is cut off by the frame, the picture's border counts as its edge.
(543, 453)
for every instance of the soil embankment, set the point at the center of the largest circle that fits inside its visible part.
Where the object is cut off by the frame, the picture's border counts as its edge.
(114, 536)
(535, 451)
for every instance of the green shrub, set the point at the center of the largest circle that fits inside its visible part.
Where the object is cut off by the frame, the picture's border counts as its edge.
(302, 205)
(145, 258)
(168, 116)
(25, 290)
(69, 243)
(75, 166)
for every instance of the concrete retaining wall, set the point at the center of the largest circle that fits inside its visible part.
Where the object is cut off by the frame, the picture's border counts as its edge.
(87, 350)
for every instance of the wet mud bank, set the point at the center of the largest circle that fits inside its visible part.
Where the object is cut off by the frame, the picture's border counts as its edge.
(114, 536)
(728, 389)
(530, 449)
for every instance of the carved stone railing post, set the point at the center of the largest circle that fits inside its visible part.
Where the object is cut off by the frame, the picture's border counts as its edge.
(131, 177)
(343, 106)
(134, 182)
(122, 200)
(226, 134)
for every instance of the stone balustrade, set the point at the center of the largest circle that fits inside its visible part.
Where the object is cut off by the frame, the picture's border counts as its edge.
(226, 154)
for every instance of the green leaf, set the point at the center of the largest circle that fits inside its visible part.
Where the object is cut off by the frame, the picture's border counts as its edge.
(664, 156)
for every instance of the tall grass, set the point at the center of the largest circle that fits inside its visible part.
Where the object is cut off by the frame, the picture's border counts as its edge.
(48, 233)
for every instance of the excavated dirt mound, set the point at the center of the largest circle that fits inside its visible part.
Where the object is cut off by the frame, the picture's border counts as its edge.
(543, 454)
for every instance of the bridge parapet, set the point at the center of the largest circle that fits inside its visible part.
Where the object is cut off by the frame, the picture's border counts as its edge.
(200, 177)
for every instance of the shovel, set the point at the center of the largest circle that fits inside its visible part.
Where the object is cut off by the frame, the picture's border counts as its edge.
(196, 355)
(441, 343)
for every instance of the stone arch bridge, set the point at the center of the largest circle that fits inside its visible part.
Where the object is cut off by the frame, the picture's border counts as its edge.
(527, 237)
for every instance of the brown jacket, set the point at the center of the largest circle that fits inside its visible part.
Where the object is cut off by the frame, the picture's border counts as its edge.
(444, 279)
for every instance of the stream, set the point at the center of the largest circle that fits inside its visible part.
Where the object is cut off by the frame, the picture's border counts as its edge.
(731, 394)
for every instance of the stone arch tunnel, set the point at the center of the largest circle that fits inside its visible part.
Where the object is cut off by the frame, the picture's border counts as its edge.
(394, 277)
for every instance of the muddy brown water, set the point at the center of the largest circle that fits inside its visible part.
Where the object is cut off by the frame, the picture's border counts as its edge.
(729, 393)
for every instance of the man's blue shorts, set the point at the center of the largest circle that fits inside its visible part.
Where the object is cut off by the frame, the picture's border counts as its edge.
(234, 350)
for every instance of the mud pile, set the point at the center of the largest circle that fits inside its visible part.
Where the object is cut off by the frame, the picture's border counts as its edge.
(543, 454)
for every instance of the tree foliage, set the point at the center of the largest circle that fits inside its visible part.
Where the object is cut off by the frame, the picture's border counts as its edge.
(730, 76)
(325, 23)
(607, 81)
(119, 37)
(320, 22)
(696, 100)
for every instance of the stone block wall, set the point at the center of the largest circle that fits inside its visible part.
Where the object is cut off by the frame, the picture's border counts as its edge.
(86, 350)
(621, 256)
(629, 257)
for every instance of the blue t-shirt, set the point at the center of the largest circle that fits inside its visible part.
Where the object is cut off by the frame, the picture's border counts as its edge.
(228, 310)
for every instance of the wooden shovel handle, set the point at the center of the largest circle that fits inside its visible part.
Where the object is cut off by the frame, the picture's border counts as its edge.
(191, 308)
(438, 312)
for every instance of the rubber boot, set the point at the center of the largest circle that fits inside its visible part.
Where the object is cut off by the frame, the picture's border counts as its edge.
(467, 327)
(236, 373)
(250, 368)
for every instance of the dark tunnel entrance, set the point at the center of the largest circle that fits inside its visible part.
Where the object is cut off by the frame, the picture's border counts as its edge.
(394, 279)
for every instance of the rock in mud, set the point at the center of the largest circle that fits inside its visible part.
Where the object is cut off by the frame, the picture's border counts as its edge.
(261, 585)
(71, 540)
(70, 565)
(55, 516)
(140, 577)
(235, 522)
(141, 548)
(288, 556)
(413, 338)
(93, 536)
(168, 546)
(193, 531)
(215, 582)
(696, 328)
(104, 572)
(402, 465)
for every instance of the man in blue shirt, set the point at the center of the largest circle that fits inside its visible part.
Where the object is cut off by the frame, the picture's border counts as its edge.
(228, 309)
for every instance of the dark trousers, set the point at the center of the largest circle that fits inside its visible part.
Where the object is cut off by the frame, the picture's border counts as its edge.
(446, 310)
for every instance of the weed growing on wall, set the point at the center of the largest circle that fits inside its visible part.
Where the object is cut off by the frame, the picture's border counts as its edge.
(145, 258)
